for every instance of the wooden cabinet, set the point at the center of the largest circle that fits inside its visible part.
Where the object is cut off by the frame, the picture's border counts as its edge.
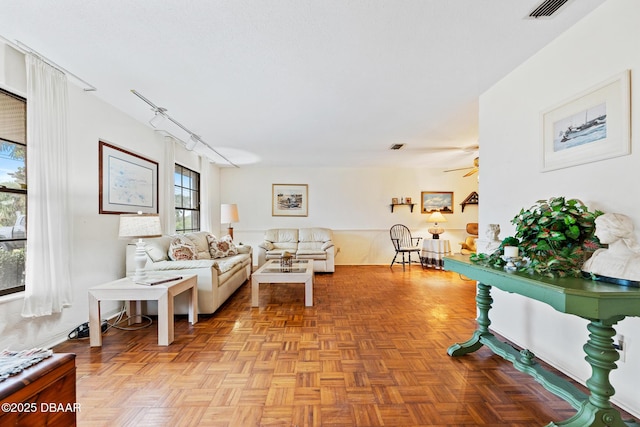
(41, 395)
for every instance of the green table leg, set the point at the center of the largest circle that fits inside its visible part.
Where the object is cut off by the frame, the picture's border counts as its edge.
(601, 356)
(483, 302)
(594, 410)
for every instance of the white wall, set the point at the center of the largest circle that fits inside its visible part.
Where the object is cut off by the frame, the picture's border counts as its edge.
(97, 255)
(600, 46)
(353, 202)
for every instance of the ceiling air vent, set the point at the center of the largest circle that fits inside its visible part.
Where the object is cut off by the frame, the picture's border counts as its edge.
(396, 146)
(547, 8)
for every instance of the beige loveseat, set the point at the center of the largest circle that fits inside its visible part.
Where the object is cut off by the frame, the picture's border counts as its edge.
(222, 267)
(303, 243)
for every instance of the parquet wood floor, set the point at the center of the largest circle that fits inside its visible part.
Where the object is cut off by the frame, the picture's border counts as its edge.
(372, 351)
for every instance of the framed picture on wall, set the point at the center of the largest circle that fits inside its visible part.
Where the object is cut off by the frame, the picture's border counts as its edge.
(590, 126)
(289, 199)
(431, 201)
(128, 182)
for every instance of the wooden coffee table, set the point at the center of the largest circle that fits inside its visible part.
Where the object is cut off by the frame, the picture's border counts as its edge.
(130, 292)
(301, 271)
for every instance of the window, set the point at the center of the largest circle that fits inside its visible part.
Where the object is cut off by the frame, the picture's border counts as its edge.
(13, 191)
(187, 195)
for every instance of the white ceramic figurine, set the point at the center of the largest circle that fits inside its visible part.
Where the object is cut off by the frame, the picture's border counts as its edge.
(621, 260)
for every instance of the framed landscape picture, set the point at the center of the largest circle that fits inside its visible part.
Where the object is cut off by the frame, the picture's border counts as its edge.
(432, 201)
(289, 199)
(128, 182)
(593, 125)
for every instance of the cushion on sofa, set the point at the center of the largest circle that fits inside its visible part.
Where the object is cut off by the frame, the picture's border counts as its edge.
(158, 248)
(182, 248)
(268, 246)
(223, 247)
(311, 254)
(282, 235)
(222, 266)
(315, 235)
(228, 264)
(243, 249)
(181, 265)
(200, 242)
(276, 253)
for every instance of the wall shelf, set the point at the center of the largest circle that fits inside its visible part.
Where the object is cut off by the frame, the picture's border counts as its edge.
(411, 205)
(472, 199)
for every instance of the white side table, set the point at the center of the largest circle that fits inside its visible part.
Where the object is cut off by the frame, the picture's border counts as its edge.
(130, 292)
(433, 252)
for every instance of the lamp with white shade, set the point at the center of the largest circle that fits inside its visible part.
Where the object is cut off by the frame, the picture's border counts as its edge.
(139, 226)
(229, 214)
(435, 218)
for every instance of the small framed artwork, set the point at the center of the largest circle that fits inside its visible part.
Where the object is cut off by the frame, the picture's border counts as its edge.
(289, 199)
(593, 125)
(395, 201)
(407, 200)
(432, 201)
(128, 182)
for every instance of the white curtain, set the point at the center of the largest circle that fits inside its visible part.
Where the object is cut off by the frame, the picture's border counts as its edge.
(168, 205)
(47, 281)
(206, 215)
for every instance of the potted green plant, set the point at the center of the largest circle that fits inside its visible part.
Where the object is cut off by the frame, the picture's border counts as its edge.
(555, 235)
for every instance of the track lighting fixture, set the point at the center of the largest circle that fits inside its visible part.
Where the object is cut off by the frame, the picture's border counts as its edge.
(158, 118)
(192, 142)
(161, 115)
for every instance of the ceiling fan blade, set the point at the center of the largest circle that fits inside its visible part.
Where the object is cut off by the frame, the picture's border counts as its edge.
(460, 169)
(470, 172)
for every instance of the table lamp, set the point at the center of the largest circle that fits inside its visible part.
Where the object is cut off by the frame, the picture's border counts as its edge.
(435, 218)
(229, 214)
(138, 226)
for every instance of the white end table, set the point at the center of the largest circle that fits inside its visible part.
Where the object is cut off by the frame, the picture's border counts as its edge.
(130, 292)
(301, 271)
(433, 252)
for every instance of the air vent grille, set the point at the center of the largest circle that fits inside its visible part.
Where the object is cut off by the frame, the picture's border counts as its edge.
(396, 146)
(547, 8)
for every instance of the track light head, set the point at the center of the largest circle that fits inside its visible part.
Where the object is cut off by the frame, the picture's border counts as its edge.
(192, 142)
(159, 117)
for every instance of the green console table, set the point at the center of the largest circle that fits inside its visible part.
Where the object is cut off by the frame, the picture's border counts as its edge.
(602, 304)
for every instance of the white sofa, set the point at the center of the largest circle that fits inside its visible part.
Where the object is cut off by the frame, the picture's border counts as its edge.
(218, 278)
(303, 243)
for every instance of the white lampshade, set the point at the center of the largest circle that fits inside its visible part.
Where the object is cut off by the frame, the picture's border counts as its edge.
(436, 230)
(140, 225)
(229, 213)
(436, 217)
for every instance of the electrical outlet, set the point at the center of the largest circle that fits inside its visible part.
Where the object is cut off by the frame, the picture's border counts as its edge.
(620, 345)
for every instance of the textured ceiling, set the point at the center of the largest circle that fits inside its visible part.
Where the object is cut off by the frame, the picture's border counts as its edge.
(298, 82)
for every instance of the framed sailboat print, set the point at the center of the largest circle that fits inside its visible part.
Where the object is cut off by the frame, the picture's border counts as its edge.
(591, 126)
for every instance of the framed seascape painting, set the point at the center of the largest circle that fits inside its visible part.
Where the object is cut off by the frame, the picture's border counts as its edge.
(593, 125)
(432, 201)
(289, 199)
(128, 181)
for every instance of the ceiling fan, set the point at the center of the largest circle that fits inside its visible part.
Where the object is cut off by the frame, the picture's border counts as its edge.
(474, 168)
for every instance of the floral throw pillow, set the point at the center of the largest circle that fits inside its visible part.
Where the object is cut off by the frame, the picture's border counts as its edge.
(181, 249)
(222, 247)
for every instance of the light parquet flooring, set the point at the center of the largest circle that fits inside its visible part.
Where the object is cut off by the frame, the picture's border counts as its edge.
(372, 351)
